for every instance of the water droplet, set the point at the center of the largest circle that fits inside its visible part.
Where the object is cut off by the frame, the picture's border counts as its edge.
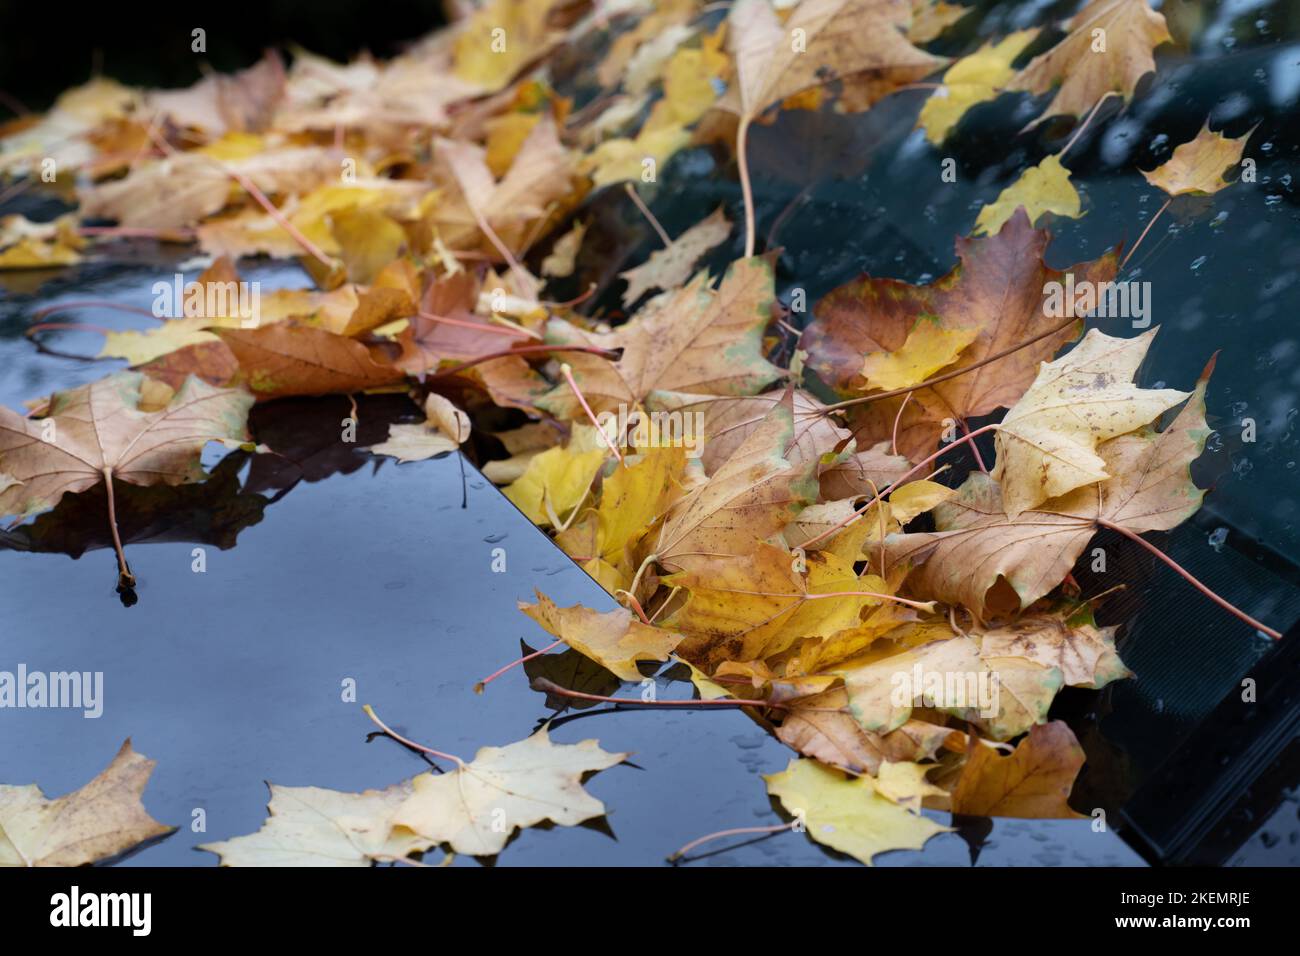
(1217, 537)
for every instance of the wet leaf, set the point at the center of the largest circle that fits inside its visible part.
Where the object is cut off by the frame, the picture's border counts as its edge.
(1040, 189)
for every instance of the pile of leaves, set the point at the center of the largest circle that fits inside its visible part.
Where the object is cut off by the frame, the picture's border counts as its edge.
(812, 548)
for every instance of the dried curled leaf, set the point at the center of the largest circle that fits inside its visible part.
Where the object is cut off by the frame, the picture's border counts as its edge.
(444, 429)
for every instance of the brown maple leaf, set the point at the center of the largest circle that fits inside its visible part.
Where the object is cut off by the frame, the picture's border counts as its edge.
(1034, 781)
(1108, 49)
(694, 340)
(292, 359)
(97, 433)
(999, 287)
(991, 563)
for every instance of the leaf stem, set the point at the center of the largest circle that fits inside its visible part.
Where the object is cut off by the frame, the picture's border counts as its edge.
(125, 579)
(636, 605)
(735, 831)
(1083, 126)
(746, 187)
(525, 350)
(480, 326)
(1231, 609)
(1145, 231)
(370, 712)
(650, 217)
(567, 372)
(260, 197)
(481, 685)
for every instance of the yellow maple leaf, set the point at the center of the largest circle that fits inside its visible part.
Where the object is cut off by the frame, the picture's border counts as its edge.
(849, 814)
(972, 79)
(1197, 166)
(928, 348)
(1040, 189)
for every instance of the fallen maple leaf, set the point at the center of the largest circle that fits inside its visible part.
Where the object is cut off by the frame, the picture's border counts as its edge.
(292, 359)
(1002, 696)
(997, 288)
(858, 42)
(928, 348)
(1084, 653)
(1197, 166)
(692, 340)
(633, 499)
(615, 640)
(821, 727)
(1108, 49)
(476, 807)
(671, 266)
(1046, 444)
(972, 79)
(1039, 189)
(311, 826)
(848, 814)
(444, 429)
(982, 559)
(751, 497)
(99, 821)
(38, 245)
(97, 433)
(1034, 781)
(756, 604)
(510, 209)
